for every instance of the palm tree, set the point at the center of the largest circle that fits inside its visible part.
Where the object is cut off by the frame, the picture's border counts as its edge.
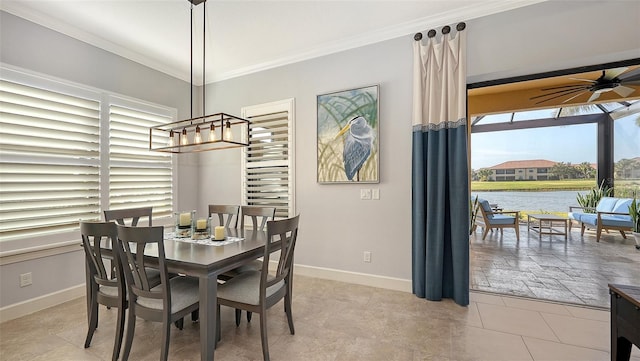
(586, 170)
(623, 167)
(562, 170)
(484, 173)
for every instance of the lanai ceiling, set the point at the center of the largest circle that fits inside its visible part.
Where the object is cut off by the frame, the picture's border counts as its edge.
(517, 96)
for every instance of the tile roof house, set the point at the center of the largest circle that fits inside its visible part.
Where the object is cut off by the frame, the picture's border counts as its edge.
(535, 169)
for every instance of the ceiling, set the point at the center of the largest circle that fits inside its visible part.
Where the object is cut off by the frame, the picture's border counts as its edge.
(526, 94)
(243, 36)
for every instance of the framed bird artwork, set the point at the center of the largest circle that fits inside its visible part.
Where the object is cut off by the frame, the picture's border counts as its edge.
(348, 136)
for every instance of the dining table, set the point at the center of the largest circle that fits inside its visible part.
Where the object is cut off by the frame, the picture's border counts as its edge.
(206, 260)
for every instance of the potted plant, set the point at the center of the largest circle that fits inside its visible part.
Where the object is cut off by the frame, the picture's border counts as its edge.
(634, 212)
(473, 214)
(590, 200)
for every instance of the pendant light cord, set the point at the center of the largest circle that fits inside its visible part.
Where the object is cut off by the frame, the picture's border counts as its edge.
(204, 45)
(191, 60)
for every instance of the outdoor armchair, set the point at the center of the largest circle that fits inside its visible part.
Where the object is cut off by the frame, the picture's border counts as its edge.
(497, 219)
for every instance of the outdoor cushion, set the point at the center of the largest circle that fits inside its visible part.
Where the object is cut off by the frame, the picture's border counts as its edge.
(616, 220)
(487, 208)
(606, 204)
(607, 220)
(622, 205)
(575, 215)
(502, 219)
(589, 218)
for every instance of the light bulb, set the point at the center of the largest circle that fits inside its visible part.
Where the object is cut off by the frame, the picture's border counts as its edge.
(183, 138)
(197, 139)
(172, 141)
(212, 133)
(227, 131)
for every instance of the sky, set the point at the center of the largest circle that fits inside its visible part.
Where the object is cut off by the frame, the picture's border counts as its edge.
(570, 144)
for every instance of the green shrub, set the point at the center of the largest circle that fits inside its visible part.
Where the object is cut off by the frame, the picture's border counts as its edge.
(590, 200)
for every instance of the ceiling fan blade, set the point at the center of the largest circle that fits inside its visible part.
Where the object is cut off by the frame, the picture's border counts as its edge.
(579, 79)
(560, 95)
(623, 91)
(575, 96)
(633, 75)
(593, 97)
(561, 92)
(564, 86)
(613, 73)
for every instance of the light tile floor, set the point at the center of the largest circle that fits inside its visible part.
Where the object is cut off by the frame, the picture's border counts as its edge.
(576, 271)
(340, 321)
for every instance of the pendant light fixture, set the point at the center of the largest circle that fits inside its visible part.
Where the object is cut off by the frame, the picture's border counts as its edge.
(207, 132)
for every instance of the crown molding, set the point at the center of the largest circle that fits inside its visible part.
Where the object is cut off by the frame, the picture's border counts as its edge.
(472, 11)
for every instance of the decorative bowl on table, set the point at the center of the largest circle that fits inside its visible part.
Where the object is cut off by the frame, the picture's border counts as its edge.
(185, 224)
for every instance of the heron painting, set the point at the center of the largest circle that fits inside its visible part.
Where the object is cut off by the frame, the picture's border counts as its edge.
(348, 136)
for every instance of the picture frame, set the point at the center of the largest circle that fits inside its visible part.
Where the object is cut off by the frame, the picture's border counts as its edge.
(348, 134)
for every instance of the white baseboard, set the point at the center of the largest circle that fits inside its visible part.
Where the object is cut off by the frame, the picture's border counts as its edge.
(364, 279)
(24, 308)
(40, 303)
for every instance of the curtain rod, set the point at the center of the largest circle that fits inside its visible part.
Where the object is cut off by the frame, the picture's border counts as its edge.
(445, 30)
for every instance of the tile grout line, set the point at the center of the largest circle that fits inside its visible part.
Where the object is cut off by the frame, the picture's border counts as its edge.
(527, 347)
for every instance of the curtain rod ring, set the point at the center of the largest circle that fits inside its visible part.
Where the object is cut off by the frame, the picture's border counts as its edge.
(431, 33)
(461, 26)
(417, 37)
(446, 29)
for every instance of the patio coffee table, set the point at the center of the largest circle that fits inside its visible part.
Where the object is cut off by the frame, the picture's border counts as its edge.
(543, 224)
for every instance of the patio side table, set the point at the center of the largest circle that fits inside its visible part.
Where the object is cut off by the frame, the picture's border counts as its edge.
(544, 224)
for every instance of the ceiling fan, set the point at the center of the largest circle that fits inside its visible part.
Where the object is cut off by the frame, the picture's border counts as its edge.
(615, 80)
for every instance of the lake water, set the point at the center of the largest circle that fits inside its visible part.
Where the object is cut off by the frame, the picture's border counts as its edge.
(556, 201)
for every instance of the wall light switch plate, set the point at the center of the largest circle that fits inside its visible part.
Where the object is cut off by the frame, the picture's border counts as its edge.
(26, 279)
(365, 194)
(367, 257)
(375, 193)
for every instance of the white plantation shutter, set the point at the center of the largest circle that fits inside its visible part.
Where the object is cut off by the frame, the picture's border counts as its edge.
(49, 157)
(68, 151)
(268, 175)
(138, 177)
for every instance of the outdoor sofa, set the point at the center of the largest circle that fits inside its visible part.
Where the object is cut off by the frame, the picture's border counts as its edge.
(610, 214)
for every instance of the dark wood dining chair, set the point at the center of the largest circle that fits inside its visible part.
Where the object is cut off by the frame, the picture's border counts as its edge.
(257, 291)
(167, 302)
(256, 213)
(259, 217)
(227, 214)
(103, 289)
(129, 216)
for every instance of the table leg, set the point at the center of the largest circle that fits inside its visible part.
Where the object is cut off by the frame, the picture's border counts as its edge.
(208, 293)
(540, 230)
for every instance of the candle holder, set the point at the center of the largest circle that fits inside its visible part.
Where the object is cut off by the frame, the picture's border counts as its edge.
(202, 228)
(185, 224)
